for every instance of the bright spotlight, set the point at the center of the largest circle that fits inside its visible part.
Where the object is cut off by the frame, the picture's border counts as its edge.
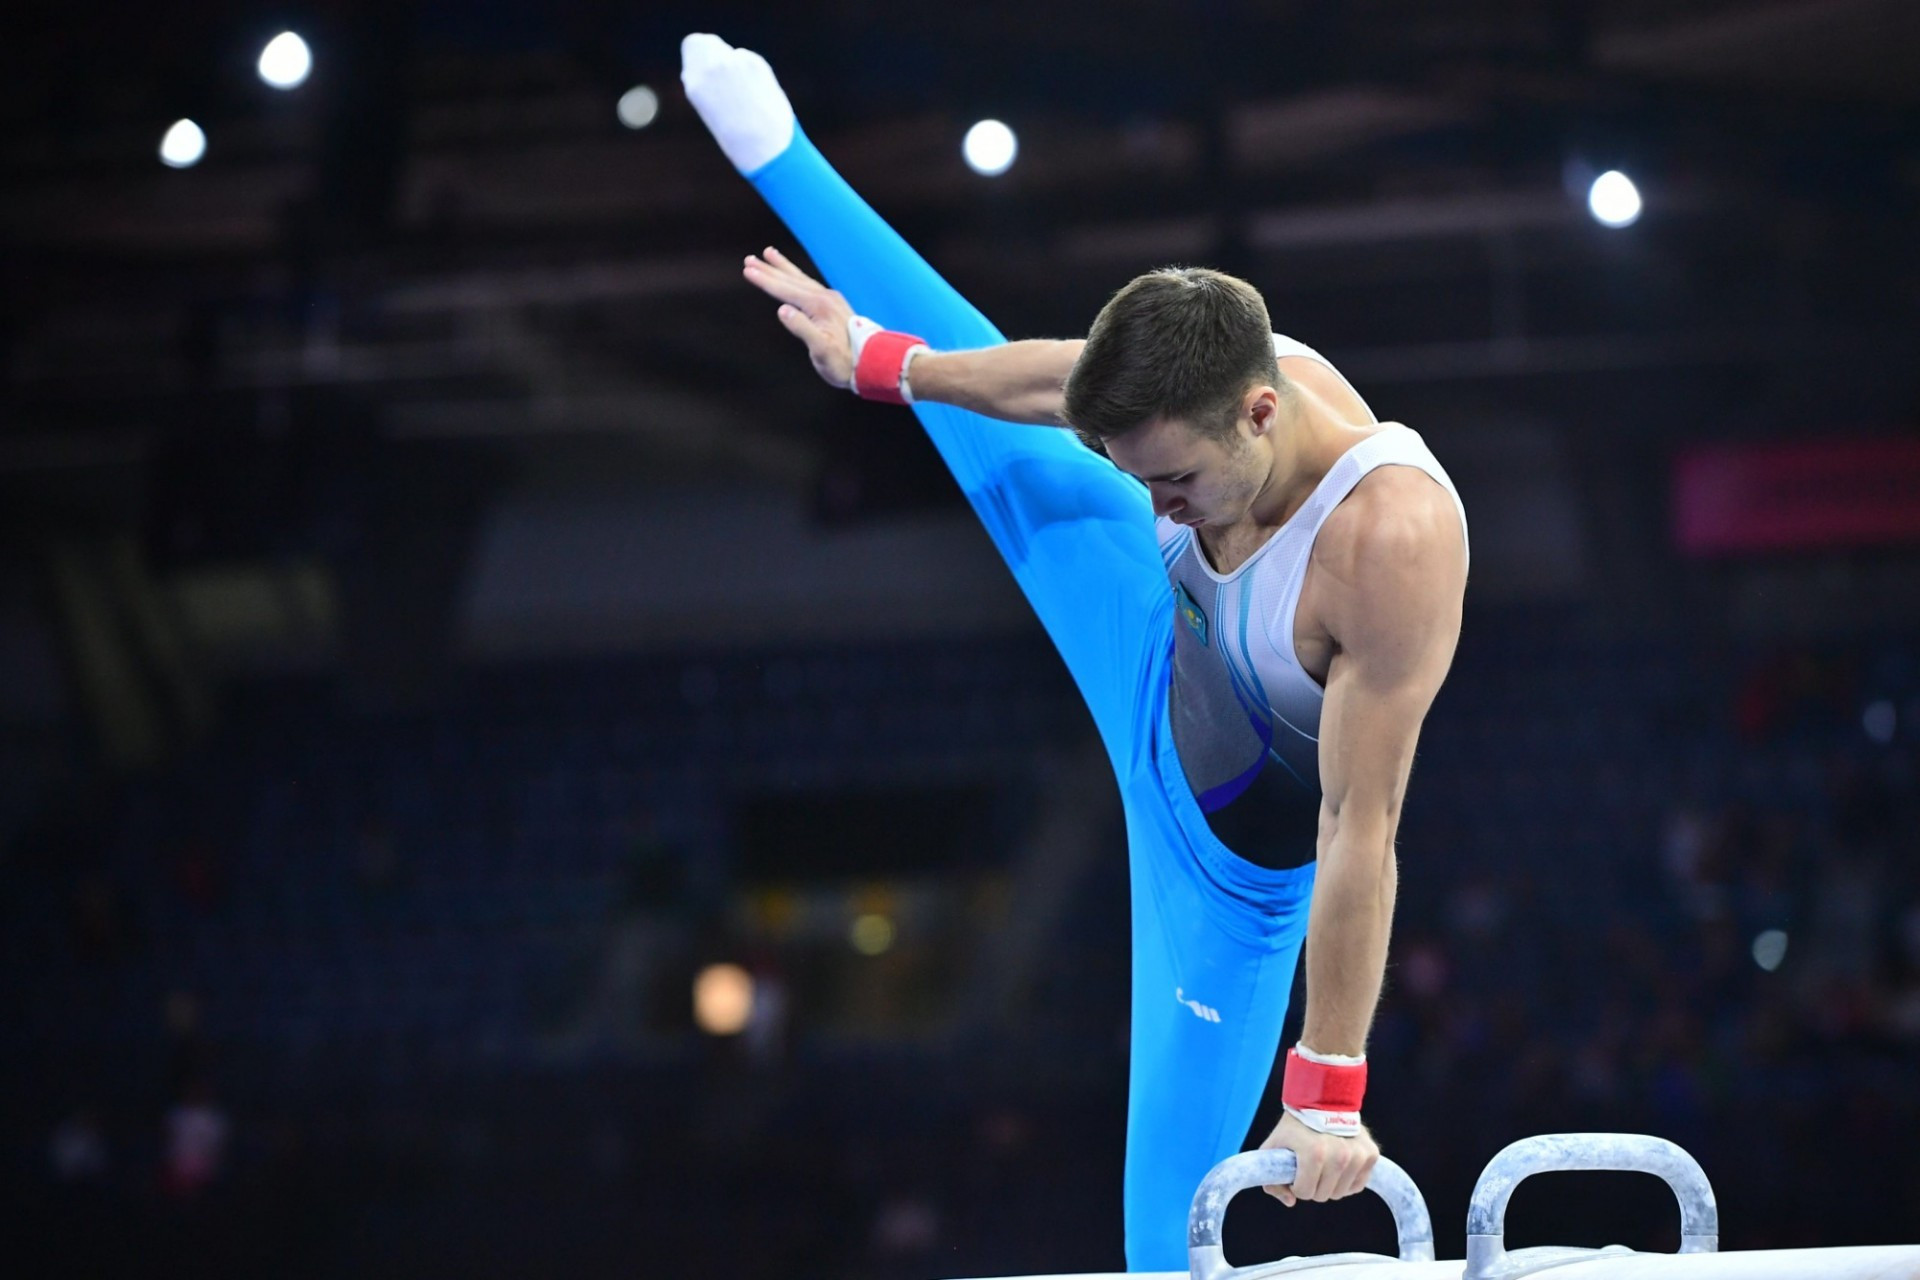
(1613, 200)
(1769, 949)
(638, 107)
(286, 61)
(989, 148)
(183, 145)
(723, 999)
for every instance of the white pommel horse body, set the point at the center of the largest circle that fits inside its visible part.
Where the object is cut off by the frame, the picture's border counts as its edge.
(1487, 1255)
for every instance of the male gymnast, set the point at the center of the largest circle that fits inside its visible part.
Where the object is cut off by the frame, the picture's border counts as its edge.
(1257, 587)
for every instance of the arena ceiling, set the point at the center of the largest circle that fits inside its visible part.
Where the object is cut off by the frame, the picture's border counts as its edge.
(447, 237)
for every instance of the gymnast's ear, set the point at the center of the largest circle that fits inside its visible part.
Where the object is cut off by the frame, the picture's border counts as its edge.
(1260, 406)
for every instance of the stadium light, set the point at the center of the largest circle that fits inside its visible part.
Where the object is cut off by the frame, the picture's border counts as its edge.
(183, 145)
(1769, 949)
(286, 61)
(638, 107)
(723, 999)
(989, 148)
(1613, 200)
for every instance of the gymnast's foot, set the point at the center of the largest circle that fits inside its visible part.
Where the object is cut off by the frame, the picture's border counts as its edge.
(735, 93)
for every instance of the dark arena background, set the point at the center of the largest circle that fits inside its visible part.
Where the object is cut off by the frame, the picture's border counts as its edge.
(503, 773)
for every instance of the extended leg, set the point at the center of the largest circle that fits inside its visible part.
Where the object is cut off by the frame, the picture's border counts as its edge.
(1077, 533)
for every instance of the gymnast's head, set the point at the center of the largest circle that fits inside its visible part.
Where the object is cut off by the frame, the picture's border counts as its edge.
(1179, 386)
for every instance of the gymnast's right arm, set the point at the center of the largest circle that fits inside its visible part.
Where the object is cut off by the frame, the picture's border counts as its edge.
(1015, 382)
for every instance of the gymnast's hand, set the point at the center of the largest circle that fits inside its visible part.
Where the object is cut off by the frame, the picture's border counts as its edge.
(1330, 1167)
(812, 313)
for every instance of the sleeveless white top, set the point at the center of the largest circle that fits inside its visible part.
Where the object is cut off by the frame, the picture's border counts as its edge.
(1245, 714)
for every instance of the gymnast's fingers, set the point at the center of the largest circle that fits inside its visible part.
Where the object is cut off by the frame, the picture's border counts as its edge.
(832, 359)
(1362, 1171)
(801, 326)
(1342, 1177)
(782, 285)
(784, 263)
(1309, 1177)
(773, 260)
(1357, 1159)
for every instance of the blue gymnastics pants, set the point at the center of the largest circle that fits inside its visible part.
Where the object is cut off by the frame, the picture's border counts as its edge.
(1215, 938)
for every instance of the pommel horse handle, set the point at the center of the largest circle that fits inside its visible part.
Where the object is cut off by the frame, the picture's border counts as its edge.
(1553, 1152)
(1276, 1168)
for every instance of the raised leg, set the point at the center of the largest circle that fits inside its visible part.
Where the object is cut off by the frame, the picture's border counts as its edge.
(1077, 533)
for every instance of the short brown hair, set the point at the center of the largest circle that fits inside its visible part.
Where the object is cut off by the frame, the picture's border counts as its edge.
(1182, 342)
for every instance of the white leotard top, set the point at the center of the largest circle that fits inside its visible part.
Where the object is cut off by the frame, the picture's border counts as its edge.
(1245, 714)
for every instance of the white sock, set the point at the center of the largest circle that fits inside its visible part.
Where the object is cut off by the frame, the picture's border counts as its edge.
(736, 95)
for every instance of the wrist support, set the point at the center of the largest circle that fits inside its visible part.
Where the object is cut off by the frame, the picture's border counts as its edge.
(880, 360)
(1324, 1091)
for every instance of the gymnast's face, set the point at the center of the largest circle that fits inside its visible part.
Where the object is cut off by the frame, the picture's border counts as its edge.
(1196, 477)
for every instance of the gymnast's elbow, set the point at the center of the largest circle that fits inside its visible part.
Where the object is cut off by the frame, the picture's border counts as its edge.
(1356, 840)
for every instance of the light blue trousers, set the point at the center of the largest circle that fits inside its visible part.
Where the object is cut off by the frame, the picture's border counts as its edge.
(1215, 938)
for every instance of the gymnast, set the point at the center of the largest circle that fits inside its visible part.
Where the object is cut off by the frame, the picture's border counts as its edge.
(1256, 586)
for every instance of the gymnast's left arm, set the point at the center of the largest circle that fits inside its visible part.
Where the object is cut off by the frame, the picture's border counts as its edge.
(1392, 571)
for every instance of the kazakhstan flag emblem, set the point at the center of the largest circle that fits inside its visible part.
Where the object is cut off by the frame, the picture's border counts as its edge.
(1190, 611)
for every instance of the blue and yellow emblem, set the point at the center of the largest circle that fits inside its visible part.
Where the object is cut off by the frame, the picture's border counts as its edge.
(1190, 611)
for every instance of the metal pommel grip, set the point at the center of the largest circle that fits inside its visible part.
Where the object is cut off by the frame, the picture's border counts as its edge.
(1249, 1169)
(1553, 1152)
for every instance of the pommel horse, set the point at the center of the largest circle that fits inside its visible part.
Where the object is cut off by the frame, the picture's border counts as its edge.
(1488, 1258)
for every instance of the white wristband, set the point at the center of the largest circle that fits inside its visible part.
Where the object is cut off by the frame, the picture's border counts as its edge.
(1329, 1059)
(906, 363)
(1341, 1124)
(859, 329)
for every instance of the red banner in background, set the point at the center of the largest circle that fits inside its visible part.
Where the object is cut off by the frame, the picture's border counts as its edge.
(1797, 497)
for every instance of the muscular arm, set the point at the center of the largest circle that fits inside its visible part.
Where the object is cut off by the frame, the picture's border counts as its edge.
(1388, 572)
(1017, 382)
(1392, 577)
(1014, 382)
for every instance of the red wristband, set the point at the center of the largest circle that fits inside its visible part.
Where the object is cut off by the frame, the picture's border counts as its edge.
(877, 374)
(1320, 1086)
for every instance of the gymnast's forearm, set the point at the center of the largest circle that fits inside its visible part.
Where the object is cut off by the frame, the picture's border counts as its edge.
(1347, 931)
(1015, 382)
